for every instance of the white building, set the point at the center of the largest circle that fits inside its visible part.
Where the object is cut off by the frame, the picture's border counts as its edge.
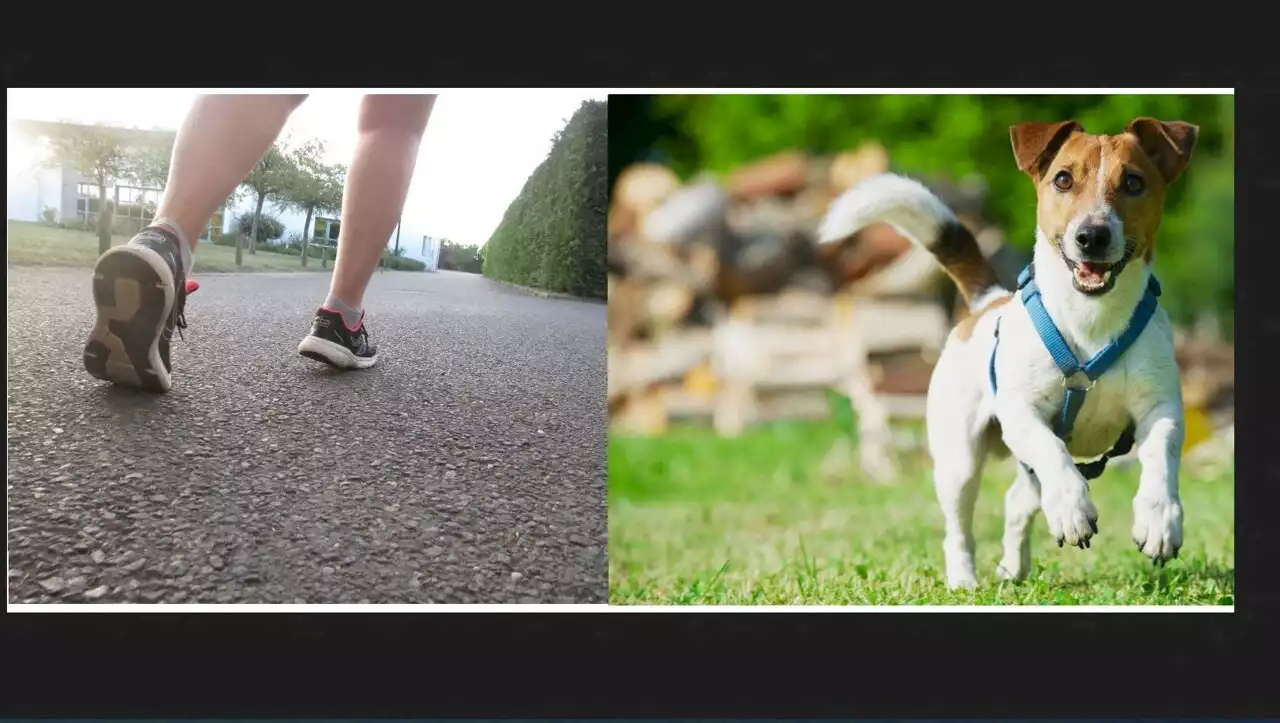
(70, 197)
(64, 195)
(422, 247)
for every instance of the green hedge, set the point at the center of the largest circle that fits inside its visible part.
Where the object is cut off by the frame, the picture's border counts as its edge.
(401, 263)
(293, 247)
(264, 247)
(552, 236)
(269, 227)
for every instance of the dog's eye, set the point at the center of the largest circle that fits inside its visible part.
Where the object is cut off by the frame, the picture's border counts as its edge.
(1062, 181)
(1134, 184)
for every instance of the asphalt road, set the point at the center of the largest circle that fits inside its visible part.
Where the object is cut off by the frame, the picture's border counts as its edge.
(468, 466)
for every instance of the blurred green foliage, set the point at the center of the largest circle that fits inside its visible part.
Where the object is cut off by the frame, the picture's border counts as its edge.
(552, 236)
(955, 136)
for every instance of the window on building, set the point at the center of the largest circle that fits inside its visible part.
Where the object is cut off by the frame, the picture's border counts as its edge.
(326, 230)
(425, 240)
(218, 222)
(214, 229)
(135, 207)
(87, 203)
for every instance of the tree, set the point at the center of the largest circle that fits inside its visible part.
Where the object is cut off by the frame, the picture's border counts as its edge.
(106, 215)
(97, 153)
(268, 229)
(148, 166)
(445, 258)
(460, 257)
(313, 186)
(268, 180)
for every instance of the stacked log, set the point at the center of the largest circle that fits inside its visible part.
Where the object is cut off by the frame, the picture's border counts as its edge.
(1208, 377)
(723, 307)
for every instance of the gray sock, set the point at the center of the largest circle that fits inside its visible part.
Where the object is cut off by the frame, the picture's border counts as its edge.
(350, 315)
(184, 248)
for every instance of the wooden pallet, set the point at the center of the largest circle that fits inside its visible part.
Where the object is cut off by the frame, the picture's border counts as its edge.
(775, 358)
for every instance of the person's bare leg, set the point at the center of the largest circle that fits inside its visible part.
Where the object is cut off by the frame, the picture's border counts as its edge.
(221, 139)
(391, 129)
(140, 288)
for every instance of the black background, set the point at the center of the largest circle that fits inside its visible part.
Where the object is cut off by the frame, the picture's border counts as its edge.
(693, 663)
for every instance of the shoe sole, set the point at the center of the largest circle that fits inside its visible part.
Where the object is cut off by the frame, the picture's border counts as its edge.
(134, 292)
(333, 354)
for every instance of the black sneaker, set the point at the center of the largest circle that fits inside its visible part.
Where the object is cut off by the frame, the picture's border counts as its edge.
(333, 343)
(140, 290)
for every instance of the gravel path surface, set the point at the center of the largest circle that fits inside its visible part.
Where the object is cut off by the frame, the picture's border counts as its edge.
(467, 467)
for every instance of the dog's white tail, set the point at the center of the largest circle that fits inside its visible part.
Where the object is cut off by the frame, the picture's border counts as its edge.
(917, 213)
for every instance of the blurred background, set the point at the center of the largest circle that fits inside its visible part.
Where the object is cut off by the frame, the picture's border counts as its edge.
(730, 373)
(962, 136)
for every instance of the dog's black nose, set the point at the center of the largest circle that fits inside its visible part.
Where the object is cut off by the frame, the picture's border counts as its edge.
(1093, 238)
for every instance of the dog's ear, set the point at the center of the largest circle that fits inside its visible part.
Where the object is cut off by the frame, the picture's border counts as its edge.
(1035, 144)
(1167, 144)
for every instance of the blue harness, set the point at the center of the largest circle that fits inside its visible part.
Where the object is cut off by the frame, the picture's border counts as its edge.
(1071, 367)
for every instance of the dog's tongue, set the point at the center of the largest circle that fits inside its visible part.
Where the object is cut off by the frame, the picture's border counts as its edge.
(1092, 272)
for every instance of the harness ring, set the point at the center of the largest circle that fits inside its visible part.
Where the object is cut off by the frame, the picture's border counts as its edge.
(1080, 372)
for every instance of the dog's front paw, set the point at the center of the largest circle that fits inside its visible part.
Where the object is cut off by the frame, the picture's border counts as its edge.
(1014, 567)
(1157, 527)
(1070, 514)
(961, 577)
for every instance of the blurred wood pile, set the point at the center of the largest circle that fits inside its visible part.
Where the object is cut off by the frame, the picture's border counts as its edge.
(723, 307)
(1208, 395)
(1208, 375)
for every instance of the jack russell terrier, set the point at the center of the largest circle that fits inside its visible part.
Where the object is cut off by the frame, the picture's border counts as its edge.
(1077, 364)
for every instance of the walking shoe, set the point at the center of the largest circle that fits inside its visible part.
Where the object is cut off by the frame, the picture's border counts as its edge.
(331, 341)
(140, 290)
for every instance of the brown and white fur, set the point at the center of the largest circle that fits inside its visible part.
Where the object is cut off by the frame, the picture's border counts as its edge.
(1100, 201)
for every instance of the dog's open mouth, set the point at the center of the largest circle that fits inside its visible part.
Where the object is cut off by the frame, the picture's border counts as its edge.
(1094, 278)
(1091, 277)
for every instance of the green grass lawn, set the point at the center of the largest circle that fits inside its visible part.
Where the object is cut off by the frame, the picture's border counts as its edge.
(31, 244)
(695, 519)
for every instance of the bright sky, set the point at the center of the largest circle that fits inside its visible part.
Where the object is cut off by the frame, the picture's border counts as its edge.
(480, 146)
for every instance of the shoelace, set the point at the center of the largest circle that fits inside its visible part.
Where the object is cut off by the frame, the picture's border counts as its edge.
(179, 308)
